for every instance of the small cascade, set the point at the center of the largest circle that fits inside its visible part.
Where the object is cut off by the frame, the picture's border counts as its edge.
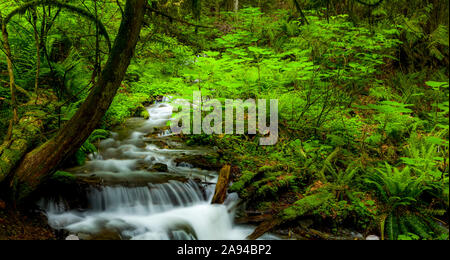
(144, 193)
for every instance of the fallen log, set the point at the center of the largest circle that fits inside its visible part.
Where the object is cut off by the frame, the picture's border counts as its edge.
(264, 227)
(253, 219)
(220, 193)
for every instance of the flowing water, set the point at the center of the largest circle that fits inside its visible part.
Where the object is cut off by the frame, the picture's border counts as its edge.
(137, 202)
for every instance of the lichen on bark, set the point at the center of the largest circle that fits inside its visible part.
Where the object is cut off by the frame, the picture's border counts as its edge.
(23, 135)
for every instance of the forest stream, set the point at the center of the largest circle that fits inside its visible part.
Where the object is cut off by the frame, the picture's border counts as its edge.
(145, 194)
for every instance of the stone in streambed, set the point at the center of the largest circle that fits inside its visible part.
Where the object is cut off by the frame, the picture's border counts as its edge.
(160, 167)
(103, 235)
(372, 237)
(158, 142)
(72, 237)
(205, 162)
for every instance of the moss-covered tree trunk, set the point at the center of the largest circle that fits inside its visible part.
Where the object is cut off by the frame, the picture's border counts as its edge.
(23, 134)
(37, 165)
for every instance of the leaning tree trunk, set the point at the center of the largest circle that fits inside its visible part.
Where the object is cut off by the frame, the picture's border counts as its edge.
(37, 165)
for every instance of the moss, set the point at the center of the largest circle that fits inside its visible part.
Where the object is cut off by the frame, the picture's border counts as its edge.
(246, 177)
(10, 157)
(63, 177)
(306, 205)
(269, 168)
(265, 205)
(23, 135)
(267, 190)
(272, 185)
(289, 214)
(145, 114)
(266, 182)
(78, 159)
(140, 111)
(21, 190)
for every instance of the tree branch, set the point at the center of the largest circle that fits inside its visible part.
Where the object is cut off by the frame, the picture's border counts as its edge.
(68, 7)
(177, 19)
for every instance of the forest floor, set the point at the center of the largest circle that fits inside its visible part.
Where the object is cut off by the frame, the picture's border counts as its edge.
(30, 225)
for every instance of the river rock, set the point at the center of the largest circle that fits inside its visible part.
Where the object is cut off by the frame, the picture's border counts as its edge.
(305, 223)
(372, 237)
(160, 167)
(356, 235)
(206, 162)
(72, 237)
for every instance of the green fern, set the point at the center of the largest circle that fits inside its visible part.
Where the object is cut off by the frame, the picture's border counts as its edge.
(88, 147)
(400, 191)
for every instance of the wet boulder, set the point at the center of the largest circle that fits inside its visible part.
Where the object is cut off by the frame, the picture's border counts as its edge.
(205, 162)
(141, 111)
(160, 167)
(72, 237)
(372, 237)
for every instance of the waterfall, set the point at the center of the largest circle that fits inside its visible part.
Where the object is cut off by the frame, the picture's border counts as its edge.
(136, 202)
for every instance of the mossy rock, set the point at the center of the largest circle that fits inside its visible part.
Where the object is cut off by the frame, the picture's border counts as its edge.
(63, 177)
(141, 111)
(205, 162)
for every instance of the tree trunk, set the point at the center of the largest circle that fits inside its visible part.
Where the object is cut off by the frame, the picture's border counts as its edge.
(23, 134)
(300, 10)
(38, 165)
(12, 83)
(236, 6)
(33, 22)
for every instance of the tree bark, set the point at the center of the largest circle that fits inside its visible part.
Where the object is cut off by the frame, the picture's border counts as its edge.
(263, 228)
(299, 9)
(33, 22)
(38, 165)
(23, 134)
(12, 83)
(220, 193)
